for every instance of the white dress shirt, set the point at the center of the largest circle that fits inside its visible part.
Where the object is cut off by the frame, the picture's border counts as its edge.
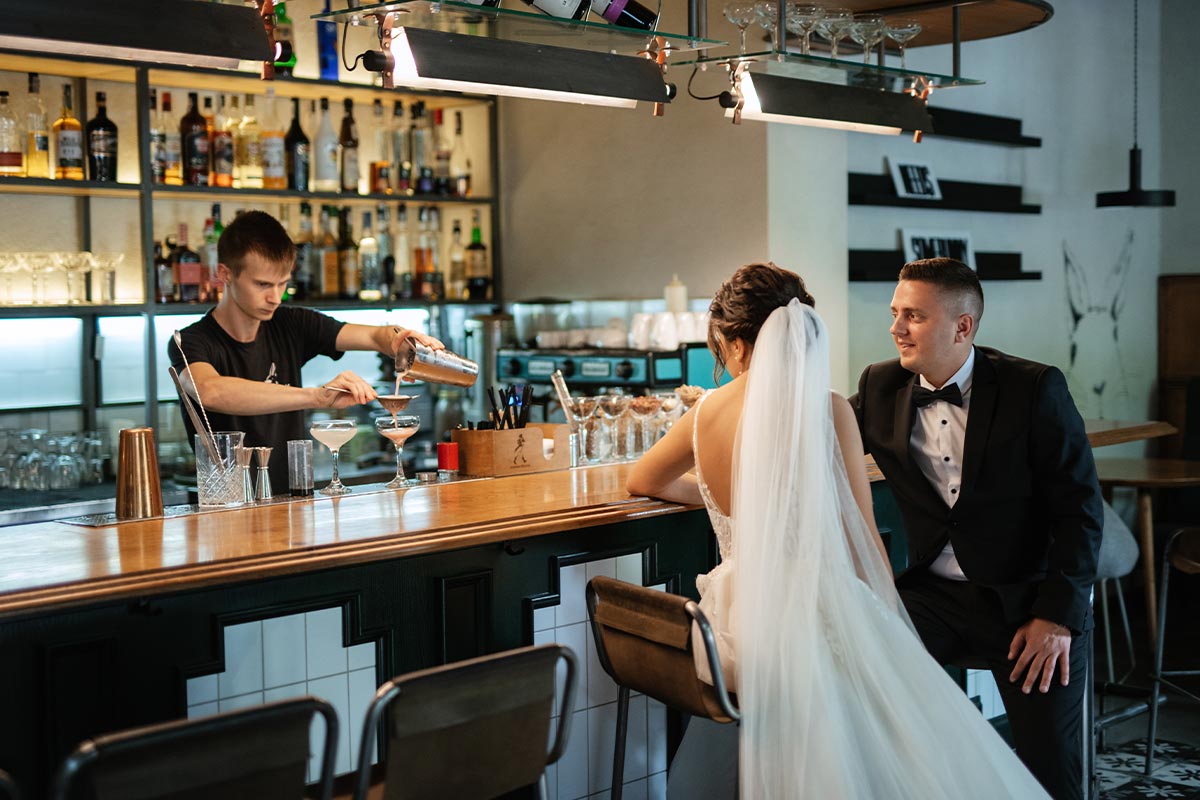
(936, 445)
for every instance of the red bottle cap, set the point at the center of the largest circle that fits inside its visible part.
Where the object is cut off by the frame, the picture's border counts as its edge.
(448, 456)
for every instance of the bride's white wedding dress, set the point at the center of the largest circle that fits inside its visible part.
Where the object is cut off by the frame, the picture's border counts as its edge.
(839, 697)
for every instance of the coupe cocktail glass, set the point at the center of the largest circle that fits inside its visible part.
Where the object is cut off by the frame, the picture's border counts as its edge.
(610, 409)
(642, 409)
(835, 26)
(333, 433)
(867, 30)
(583, 409)
(398, 430)
(902, 31)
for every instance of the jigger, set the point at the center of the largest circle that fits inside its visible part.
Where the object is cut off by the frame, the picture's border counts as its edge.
(139, 492)
(262, 488)
(244, 456)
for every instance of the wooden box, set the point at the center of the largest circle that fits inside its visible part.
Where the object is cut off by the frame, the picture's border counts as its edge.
(512, 452)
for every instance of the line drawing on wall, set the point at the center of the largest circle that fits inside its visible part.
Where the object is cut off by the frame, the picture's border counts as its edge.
(1096, 373)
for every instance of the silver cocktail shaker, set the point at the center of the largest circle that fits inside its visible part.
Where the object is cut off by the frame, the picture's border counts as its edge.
(416, 361)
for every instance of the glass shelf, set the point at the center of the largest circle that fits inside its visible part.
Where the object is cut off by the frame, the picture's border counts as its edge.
(844, 71)
(222, 194)
(519, 26)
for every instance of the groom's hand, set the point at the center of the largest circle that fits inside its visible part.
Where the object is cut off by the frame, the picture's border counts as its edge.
(1040, 646)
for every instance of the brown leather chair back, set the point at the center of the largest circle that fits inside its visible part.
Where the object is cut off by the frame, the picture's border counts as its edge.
(251, 754)
(1183, 550)
(644, 641)
(8, 789)
(471, 730)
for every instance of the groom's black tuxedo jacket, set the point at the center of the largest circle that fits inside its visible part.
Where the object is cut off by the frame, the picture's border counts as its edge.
(1027, 521)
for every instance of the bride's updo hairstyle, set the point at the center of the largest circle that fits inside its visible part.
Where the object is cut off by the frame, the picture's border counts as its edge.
(743, 303)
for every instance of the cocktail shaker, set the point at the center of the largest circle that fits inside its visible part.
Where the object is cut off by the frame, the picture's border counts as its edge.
(139, 492)
(416, 361)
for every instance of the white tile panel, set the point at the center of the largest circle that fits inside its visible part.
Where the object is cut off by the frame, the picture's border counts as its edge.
(602, 730)
(600, 687)
(572, 606)
(606, 567)
(202, 690)
(575, 637)
(362, 686)
(243, 660)
(277, 693)
(202, 710)
(284, 651)
(325, 653)
(335, 690)
(656, 736)
(573, 766)
(629, 568)
(241, 701)
(543, 618)
(360, 656)
(656, 786)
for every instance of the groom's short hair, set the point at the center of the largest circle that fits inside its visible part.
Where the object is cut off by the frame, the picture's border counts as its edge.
(952, 277)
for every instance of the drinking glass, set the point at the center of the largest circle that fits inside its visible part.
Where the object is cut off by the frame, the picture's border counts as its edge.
(668, 413)
(610, 408)
(104, 277)
(767, 13)
(835, 26)
(76, 266)
(39, 266)
(9, 266)
(902, 31)
(219, 480)
(803, 20)
(583, 409)
(333, 433)
(867, 30)
(740, 13)
(642, 409)
(398, 430)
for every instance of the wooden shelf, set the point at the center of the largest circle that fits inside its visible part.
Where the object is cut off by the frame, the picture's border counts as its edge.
(877, 190)
(79, 310)
(884, 266)
(67, 188)
(949, 123)
(221, 194)
(978, 20)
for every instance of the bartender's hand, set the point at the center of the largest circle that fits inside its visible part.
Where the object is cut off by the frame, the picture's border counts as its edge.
(358, 391)
(400, 334)
(1041, 648)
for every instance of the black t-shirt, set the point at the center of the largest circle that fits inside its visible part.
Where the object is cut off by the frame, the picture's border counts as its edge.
(290, 339)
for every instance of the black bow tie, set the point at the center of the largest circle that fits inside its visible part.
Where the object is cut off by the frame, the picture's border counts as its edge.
(922, 397)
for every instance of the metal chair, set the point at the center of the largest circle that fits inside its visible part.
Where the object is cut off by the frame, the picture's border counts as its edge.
(8, 789)
(249, 754)
(471, 730)
(644, 642)
(1183, 554)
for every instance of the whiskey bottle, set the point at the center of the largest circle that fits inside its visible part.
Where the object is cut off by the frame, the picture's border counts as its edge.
(331, 278)
(247, 149)
(297, 153)
(12, 160)
(348, 148)
(68, 142)
(37, 133)
(102, 143)
(401, 165)
(380, 179)
(347, 250)
(158, 142)
(193, 134)
(174, 144)
(188, 268)
(456, 274)
(402, 282)
(479, 274)
(164, 278)
(441, 155)
(222, 143)
(274, 147)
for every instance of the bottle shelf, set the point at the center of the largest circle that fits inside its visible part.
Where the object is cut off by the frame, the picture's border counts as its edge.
(67, 188)
(878, 190)
(884, 265)
(76, 310)
(467, 18)
(219, 193)
(331, 305)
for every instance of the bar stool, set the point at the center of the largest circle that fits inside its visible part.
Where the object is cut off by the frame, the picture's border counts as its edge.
(471, 730)
(644, 642)
(8, 789)
(251, 754)
(1146, 475)
(1182, 553)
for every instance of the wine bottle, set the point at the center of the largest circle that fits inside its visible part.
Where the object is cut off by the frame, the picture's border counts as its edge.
(626, 13)
(302, 283)
(102, 143)
(348, 147)
(456, 274)
(347, 250)
(380, 173)
(193, 133)
(563, 9)
(68, 142)
(422, 151)
(401, 166)
(274, 147)
(460, 163)
(441, 155)
(37, 133)
(479, 274)
(285, 36)
(297, 153)
(12, 160)
(222, 143)
(325, 153)
(164, 277)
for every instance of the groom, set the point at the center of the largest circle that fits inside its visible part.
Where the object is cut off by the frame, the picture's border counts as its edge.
(987, 458)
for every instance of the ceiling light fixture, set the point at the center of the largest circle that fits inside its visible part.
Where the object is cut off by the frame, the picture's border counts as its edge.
(213, 34)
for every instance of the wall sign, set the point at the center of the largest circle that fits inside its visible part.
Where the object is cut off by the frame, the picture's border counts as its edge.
(922, 243)
(914, 180)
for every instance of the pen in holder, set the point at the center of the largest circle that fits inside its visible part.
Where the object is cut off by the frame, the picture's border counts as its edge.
(262, 488)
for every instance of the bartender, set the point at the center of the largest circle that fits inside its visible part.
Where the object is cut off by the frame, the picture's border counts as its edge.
(243, 358)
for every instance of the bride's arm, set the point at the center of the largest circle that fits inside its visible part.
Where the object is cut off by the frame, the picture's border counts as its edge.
(845, 424)
(663, 471)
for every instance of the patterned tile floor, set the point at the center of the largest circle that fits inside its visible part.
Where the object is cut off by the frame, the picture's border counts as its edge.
(1176, 774)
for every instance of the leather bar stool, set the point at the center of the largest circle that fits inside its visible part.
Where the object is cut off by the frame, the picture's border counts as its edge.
(8, 789)
(471, 730)
(257, 753)
(1182, 554)
(644, 642)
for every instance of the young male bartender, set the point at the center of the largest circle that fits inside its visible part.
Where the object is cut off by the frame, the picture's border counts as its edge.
(245, 355)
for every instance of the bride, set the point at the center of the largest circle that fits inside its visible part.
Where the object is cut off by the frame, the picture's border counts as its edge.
(839, 698)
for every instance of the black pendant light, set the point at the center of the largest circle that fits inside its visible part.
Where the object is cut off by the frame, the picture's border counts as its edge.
(1135, 195)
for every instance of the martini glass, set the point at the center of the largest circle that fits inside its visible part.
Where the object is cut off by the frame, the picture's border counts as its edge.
(803, 20)
(398, 430)
(610, 408)
(867, 31)
(740, 13)
(584, 408)
(835, 26)
(333, 433)
(902, 31)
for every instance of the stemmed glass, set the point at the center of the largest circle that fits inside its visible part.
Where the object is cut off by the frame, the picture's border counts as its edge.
(104, 276)
(333, 433)
(902, 31)
(669, 412)
(9, 266)
(76, 265)
(610, 408)
(767, 12)
(867, 30)
(398, 430)
(642, 409)
(39, 265)
(583, 409)
(740, 13)
(803, 20)
(835, 26)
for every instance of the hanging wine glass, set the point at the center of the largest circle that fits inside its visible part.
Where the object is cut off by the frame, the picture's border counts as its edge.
(740, 13)
(867, 31)
(902, 31)
(767, 13)
(835, 26)
(802, 20)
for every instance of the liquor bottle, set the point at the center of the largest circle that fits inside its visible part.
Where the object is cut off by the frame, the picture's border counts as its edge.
(274, 147)
(626, 13)
(102, 143)
(284, 35)
(325, 153)
(222, 143)
(193, 134)
(401, 166)
(563, 9)
(420, 252)
(433, 283)
(380, 180)
(421, 137)
(460, 164)
(209, 118)
(331, 273)
(479, 274)
(173, 172)
(327, 48)
(12, 160)
(348, 149)
(441, 155)
(370, 276)
(347, 250)
(37, 133)
(456, 275)
(164, 278)
(387, 258)
(188, 268)
(247, 149)
(302, 282)
(158, 142)
(297, 153)
(402, 283)
(210, 283)
(68, 142)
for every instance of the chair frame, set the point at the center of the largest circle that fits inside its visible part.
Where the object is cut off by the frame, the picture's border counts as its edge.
(92, 750)
(714, 666)
(392, 689)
